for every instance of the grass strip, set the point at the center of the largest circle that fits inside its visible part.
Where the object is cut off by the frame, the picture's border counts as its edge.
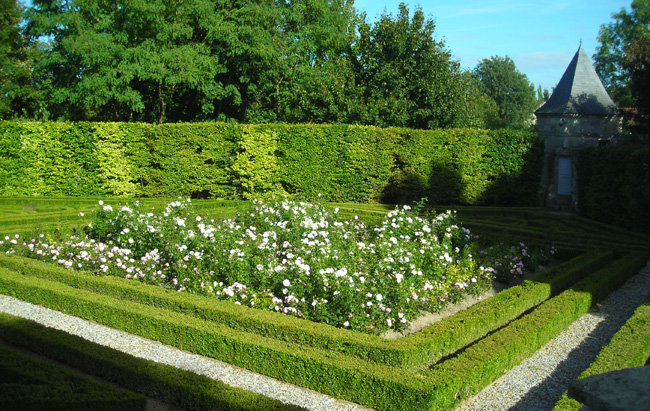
(171, 385)
(28, 383)
(413, 351)
(335, 374)
(628, 348)
(482, 363)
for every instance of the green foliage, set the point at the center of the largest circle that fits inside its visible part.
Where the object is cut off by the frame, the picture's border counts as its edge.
(614, 59)
(201, 160)
(166, 383)
(408, 78)
(255, 61)
(130, 62)
(29, 383)
(614, 186)
(510, 89)
(453, 333)
(255, 168)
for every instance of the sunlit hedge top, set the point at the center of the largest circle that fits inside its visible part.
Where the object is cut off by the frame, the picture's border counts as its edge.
(341, 162)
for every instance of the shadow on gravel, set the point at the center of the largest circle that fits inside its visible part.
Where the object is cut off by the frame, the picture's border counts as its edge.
(544, 395)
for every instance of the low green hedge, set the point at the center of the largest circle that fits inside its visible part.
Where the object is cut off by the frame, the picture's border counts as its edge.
(341, 162)
(413, 351)
(171, 385)
(628, 348)
(28, 383)
(337, 374)
(453, 333)
(488, 359)
(332, 373)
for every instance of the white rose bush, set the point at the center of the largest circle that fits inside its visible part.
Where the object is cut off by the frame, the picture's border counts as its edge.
(294, 258)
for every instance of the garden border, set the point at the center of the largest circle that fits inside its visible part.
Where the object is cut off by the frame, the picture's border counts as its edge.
(335, 373)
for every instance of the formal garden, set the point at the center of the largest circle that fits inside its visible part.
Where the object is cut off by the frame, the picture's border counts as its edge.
(254, 245)
(271, 205)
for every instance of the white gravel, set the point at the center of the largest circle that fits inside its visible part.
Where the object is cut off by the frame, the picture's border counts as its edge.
(541, 380)
(155, 351)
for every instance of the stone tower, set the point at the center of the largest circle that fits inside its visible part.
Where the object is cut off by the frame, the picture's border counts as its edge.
(578, 114)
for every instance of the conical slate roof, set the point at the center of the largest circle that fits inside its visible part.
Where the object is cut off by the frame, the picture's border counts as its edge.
(579, 91)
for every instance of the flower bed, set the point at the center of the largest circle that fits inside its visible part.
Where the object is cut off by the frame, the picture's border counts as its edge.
(292, 257)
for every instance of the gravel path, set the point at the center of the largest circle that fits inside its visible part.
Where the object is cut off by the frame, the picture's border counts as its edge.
(155, 351)
(541, 380)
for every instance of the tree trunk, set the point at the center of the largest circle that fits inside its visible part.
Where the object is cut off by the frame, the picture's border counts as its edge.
(163, 104)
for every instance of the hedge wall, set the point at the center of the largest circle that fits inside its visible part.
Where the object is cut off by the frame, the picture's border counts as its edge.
(341, 162)
(614, 186)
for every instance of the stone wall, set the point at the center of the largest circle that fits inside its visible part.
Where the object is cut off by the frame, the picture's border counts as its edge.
(565, 136)
(579, 125)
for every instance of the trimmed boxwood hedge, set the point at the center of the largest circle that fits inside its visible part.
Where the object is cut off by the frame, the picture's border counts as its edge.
(27, 384)
(171, 385)
(490, 358)
(413, 351)
(628, 348)
(341, 162)
(334, 373)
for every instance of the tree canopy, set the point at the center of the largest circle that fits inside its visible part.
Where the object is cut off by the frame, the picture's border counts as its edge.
(510, 89)
(618, 58)
(232, 60)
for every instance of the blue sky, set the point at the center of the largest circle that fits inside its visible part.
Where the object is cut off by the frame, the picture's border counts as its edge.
(540, 36)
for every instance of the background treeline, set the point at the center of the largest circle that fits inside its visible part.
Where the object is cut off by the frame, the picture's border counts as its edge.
(228, 160)
(254, 61)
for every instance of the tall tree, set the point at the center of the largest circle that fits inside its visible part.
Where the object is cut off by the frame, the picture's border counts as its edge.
(126, 61)
(616, 39)
(17, 96)
(510, 89)
(320, 84)
(409, 78)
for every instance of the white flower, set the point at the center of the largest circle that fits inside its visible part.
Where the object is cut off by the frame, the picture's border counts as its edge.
(389, 322)
(379, 297)
(346, 324)
(286, 283)
(107, 208)
(180, 222)
(101, 202)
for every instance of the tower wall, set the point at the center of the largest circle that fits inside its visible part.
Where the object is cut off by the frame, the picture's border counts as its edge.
(564, 137)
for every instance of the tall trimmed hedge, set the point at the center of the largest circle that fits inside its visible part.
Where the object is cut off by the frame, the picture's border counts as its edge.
(341, 162)
(614, 186)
